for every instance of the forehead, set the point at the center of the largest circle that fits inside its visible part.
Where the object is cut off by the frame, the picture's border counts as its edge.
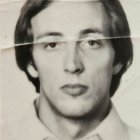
(70, 17)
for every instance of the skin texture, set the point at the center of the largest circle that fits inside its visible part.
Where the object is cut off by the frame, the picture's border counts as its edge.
(71, 53)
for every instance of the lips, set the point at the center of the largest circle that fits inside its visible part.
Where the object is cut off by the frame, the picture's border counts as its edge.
(74, 89)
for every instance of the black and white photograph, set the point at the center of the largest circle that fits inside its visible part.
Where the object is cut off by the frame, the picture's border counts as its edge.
(70, 69)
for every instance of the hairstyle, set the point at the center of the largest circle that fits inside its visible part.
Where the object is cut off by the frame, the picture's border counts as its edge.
(118, 30)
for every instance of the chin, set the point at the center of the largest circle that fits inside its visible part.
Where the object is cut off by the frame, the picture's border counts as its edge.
(75, 110)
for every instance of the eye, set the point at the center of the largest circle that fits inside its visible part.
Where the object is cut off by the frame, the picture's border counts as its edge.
(92, 44)
(54, 46)
(51, 45)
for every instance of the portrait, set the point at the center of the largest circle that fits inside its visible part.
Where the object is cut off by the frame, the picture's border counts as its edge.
(72, 55)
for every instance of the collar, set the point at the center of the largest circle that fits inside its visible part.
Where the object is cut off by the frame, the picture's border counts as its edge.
(111, 128)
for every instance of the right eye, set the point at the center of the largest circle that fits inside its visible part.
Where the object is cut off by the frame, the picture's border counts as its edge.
(54, 46)
(50, 45)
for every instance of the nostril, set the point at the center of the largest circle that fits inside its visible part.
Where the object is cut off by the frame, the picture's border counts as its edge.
(78, 70)
(74, 70)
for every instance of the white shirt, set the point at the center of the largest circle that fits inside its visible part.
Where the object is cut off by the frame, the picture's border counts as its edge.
(31, 128)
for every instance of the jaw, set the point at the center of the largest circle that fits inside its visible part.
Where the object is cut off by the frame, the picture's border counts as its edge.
(70, 127)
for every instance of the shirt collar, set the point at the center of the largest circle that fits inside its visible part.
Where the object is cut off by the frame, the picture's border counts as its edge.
(111, 128)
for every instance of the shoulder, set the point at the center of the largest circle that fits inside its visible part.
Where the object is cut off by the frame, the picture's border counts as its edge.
(134, 134)
(123, 130)
(28, 127)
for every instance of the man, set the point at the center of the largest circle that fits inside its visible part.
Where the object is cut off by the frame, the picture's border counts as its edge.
(74, 52)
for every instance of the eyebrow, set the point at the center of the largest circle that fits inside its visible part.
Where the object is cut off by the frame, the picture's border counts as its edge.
(83, 32)
(49, 34)
(90, 30)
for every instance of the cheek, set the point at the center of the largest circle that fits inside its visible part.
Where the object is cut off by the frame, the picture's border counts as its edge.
(48, 73)
(105, 68)
(100, 65)
(47, 63)
(105, 61)
(49, 70)
(100, 70)
(105, 74)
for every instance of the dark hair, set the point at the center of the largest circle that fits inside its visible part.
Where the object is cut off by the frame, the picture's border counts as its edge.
(118, 29)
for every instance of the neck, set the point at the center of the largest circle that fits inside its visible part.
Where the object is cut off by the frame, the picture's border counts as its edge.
(69, 128)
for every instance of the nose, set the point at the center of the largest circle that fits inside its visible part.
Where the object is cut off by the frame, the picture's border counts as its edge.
(73, 61)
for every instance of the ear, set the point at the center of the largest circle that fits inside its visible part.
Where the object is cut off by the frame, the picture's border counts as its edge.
(117, 68)
(32, 70)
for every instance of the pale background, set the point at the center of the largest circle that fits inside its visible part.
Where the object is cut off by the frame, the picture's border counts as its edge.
(17, 92)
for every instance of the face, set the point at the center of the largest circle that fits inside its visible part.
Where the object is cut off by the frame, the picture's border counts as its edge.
(74, 64)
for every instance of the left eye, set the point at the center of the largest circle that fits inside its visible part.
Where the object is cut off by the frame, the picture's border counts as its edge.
(91, 44)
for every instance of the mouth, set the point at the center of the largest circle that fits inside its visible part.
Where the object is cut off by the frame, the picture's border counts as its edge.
(74, 89)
